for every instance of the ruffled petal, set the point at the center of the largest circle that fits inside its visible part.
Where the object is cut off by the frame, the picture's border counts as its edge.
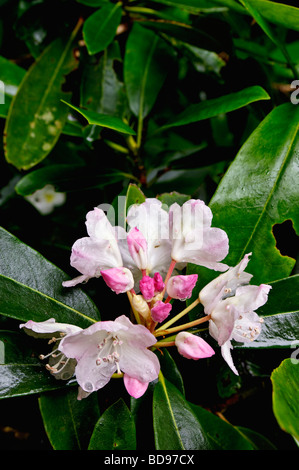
(48, 328)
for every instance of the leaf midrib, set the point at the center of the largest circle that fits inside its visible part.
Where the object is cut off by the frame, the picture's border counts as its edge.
(46, 296)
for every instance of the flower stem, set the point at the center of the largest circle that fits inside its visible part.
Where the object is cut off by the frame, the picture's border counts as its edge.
(180, 315)
(182, 327)
(164, 344)
(169, 273)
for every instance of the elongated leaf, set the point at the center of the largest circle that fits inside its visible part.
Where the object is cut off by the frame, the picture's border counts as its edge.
(255, 9)
(24, 303)
(67, 178)
(222, 435)
(260, 189)
(176, 427)
(36, 117)
(26, 379)
(199, 5)
(285, 381)
(277, 13)
(99, 29)
(21, 371)
(115, 429)
(104, 120)
(25, 269)
(213, 107)
(69, 422)
(147, 62)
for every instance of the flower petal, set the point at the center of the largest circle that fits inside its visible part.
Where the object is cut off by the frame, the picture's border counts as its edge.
(134, 387)
(48, 328)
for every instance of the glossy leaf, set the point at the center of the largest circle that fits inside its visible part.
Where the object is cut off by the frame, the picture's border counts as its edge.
(259, 190)
(24, 303)
(100, 27)
(255, 9)
(285, 381)
(36, 117)
(222, 435)
(104, 120)
(213, 107)
(21, 371)
(277, 13)
(26, 272)
(176, 427)
(115, 430)
(68, 421)
(67, 178)
(146, 65)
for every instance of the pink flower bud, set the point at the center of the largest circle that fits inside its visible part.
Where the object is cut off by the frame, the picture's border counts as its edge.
(158, 282)
(134, 387)
(147, 287)
(118, 279)
(192, 347)
(137, 245)
(160, 311)
(181, 287)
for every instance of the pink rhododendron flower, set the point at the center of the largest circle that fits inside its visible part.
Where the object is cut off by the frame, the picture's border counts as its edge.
(134, 387)
(232, 308)
(60, 366)
(111, 346)
(119, 280)
(193, 238)
(192, 346)
(147, 287)
(181, 287)
(160, 311)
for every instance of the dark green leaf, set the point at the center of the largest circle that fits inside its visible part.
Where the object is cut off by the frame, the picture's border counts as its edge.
(277, 13)
(147, 62)
(24, 379)
(67, 178)
(104, 120)
(99, 29)
(25, 270)
(69, 422)
(213, 107)
(24, 303)
(259, 190)
(285, 381)
(258, 441)
(115, 430)
(37, 116)
(222, 435)
(176, 427)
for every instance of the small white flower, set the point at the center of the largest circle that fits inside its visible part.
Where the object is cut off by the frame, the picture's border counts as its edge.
(46, 199)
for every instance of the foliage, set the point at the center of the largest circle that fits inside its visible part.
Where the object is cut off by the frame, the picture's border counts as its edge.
(174, 99)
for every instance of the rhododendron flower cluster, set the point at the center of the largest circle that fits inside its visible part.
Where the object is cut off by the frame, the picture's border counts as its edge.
(146, 261)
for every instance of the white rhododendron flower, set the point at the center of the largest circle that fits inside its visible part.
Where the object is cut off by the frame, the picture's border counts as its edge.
(109, 347)
(231, 303)
(193, 238)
